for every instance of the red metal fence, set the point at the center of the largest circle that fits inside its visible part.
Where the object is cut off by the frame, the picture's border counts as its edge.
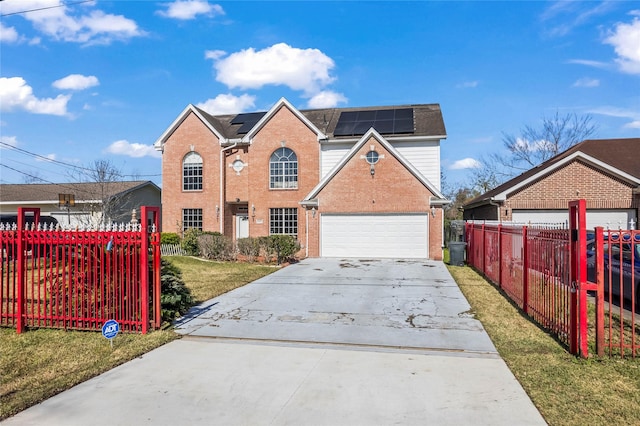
(78, 279)
(561, 279)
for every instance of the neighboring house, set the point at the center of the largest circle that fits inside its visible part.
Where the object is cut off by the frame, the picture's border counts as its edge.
(86, 203)
(604, 172)
(343, 181)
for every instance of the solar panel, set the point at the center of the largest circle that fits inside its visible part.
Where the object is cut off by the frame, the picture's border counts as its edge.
(249, 116)
(403, 126)
(385, 121)
(247, 121)
(384, 126)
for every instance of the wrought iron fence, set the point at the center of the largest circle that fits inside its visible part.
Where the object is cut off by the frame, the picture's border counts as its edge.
(80, 278)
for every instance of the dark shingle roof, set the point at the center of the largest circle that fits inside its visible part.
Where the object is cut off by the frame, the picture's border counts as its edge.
(50, 191)
(618, 153)
(428, 120)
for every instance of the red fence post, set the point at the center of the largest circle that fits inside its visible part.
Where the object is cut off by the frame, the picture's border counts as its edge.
(484, 250)
(501, 256)
(155, 256)
(577, 227)
(599, 248)
(525, 271)
(20, 260)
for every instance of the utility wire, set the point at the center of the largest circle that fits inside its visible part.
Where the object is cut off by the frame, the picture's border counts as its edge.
(73, 166)
(45, 8)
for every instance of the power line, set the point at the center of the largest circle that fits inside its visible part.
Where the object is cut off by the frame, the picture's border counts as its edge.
(73, 166)
(45, 8)
(50, 160)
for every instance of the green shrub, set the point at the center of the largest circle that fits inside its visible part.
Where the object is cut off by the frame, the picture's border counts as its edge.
(169, 238)
(175, 297)
(249, 247)
(216, 247)
(284, 246)
(190, 242)
(266, 250)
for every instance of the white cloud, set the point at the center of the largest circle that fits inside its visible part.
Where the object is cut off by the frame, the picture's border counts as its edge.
(589, 63)
(633, 115)
(8, 34)
(214, 54)
(306, 70)
(49, 157)
(135, 150)
(467, 85)
(466, 163)
(586, 82)
(227, 104)
(539, 145)
(59, 21)
(326, 99)
(625, 39)
(9, 140)
(76, 82)
(190, 9)
(15, 93)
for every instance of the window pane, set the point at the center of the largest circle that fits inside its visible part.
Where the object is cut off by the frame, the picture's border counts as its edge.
(191, 218)
(192, 172)
(283, 169)
(283, 221)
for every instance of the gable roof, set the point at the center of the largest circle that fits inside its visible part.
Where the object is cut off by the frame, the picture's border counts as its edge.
(616, 156)
(428, 122)
(308, 200)
(48, 192)
(212, 123)
(283, 103)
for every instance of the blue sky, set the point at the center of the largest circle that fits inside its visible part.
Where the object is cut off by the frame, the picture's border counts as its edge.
(82, 81)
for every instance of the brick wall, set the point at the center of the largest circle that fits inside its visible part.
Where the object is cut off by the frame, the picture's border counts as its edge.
(191, 133)
(574, 181)
(283, 130)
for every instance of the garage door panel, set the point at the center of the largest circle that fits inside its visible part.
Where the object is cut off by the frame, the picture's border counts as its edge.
(613, 218)
(374, 236)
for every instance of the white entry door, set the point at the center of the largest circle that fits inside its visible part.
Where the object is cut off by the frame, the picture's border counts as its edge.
(242, 225)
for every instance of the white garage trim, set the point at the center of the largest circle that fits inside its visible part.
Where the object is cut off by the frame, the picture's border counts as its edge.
(375, 235)
(613, 218)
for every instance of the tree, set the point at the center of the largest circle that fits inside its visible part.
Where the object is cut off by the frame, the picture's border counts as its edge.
(106, 190)
(533, 146)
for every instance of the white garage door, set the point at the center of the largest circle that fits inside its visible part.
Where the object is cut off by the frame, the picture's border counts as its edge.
(379, 235)
(613, 219)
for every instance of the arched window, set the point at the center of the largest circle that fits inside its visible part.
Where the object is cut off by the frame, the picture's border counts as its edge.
(192, 172)
(283, 169)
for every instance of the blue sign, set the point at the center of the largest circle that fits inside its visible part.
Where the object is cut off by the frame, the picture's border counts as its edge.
(110, 329)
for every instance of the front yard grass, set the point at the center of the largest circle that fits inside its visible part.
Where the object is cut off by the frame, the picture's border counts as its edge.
(567, 390)
(40, 363)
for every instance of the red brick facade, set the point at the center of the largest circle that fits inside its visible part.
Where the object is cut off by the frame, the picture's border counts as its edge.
(599, 189)
(227, 192)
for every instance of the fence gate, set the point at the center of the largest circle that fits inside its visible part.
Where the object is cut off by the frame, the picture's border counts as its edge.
(80, 278)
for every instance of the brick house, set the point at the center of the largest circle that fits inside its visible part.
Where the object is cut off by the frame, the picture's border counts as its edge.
(87, 203)
(344, 181)
(604, 172)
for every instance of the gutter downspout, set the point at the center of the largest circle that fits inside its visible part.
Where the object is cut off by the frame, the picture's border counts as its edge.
(223, 179)
(492, 202)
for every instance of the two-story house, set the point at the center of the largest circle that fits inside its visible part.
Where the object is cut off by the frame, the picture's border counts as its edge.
(346, 182)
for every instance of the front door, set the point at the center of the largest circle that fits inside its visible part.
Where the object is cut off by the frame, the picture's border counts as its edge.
(242, 225)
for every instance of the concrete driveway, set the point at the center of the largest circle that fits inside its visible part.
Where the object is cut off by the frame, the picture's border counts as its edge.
(383, 303)
(321, 342)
